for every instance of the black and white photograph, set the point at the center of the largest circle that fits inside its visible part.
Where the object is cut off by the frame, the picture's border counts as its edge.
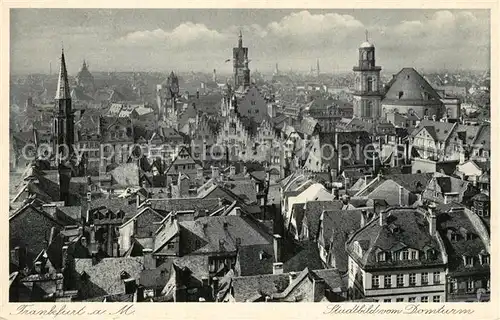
(249, 155)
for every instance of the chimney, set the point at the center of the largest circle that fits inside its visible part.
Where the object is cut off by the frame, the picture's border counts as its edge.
(64, 260)
(93, 244)
(432, 219)
(149, 260)
(335, 193)
(319, 287)
(381, 218)
(225, 225)
(292, 276)
(215, 286)
(277, 244)
(400, 196)
(232, 171)
(137, 199)
(245, 170)
(220, 202)
(52, 234)
(204, 281)
(15, 257)
(278, 268)
(84, 242)
(144, 183)
(215, 172)
(80, 231)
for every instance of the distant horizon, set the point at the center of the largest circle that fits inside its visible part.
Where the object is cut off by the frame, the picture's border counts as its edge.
(159, 40)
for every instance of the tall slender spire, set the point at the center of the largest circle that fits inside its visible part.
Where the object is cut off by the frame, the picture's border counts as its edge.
(63, 84)
(240, 40)
(366, 35)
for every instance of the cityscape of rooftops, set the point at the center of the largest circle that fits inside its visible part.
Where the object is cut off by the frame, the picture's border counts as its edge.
(257, 155)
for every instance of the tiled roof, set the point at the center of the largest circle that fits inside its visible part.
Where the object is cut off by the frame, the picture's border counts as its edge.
(115, 205)
(313, 213)
(256, 259)
(156, 278)
(265, 285)
(412, 231)
(414, 88)
(297, 256)
(220, 234)
(459, 222)
(165, 205)
(106, 273)
(338, 225)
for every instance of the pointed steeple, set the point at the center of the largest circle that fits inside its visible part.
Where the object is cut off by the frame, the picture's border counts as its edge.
(240, 40)
(63, 84)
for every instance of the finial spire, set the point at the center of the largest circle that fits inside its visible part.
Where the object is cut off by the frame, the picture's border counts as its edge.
(240, 40)
(366, 35)
(62, 84)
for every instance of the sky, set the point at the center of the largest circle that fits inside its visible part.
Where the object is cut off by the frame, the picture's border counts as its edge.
(202, 40)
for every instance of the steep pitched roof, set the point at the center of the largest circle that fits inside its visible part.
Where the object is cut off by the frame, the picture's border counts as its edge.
(403, 227)
(62, 82)
(106, 273)
(416, 90)
(221, 233)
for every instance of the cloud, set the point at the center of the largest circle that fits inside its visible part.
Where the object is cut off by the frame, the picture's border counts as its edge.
(304, 23)
(183, 35)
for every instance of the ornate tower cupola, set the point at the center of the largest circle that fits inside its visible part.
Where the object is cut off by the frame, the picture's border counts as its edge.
(367, 95)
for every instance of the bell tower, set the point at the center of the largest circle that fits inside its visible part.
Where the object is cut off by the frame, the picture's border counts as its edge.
(367, 94)
(63, 125)
(241, 72)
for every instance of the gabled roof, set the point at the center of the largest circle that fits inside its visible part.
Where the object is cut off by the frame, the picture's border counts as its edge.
(106, 273)
(416, 90)
(219, 234)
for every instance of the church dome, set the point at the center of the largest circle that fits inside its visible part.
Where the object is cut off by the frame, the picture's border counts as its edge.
(366, 44)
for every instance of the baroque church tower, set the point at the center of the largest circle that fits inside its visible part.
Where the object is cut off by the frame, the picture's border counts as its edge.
(367, 94)
(241, 71)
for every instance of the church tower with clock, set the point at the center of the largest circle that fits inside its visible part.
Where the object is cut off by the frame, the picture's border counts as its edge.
(367, 94)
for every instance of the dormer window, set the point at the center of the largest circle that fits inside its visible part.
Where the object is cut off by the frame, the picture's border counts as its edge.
(470, 236)
(484, 258)
(381, 257)
(404, 255)
(430, 254)
(468, 261)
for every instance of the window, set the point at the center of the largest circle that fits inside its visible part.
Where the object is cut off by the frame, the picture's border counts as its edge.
(400, 299)
(436, 299)
(469, 261)
(470, 286)
(395, 256)
(454, 285)
(413, 279)
(425, 278)
(404, 255)
(381, 256)
(411, 299)
(486, 259)
(170, 246)
(436, 277)
(424, 299)
(387, 300)
(387, 282)
(375, 281)
(400, 280)
(414, 255)
(400, 94)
